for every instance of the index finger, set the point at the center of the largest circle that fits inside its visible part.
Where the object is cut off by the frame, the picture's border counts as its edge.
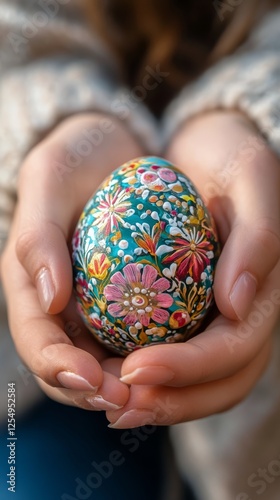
(40, 339)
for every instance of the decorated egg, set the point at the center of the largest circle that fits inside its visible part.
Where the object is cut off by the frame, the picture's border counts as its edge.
(144, 256)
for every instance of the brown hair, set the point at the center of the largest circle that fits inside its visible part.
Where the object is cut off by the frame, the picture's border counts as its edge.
(184, 36)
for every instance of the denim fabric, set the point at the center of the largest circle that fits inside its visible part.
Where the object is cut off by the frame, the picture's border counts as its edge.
(64, 453)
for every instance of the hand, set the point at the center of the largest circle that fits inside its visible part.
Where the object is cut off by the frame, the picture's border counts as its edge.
(36, 267)
(239, 176)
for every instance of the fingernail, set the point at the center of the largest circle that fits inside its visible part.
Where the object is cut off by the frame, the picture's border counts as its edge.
(45, 289)
(71, 380)
(133, 418)
(242, 294)
(101, 404)
(149, 375)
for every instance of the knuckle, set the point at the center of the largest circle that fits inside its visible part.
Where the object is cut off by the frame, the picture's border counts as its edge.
(44, 362)
(25, 244)
(37, 164)
(266, 235)
(203, 352)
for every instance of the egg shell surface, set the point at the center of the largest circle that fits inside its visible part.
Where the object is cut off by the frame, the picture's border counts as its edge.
(144, 256)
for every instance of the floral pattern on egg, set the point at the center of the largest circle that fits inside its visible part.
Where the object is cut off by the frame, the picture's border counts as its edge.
(144, 257)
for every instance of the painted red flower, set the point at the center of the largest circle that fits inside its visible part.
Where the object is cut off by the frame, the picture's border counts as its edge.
(191, 253)
(76, 239)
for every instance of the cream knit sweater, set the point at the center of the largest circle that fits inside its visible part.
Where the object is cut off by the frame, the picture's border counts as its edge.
(51, 66)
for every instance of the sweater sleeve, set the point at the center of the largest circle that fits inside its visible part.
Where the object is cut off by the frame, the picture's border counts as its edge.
(52, 66)
(248, 80)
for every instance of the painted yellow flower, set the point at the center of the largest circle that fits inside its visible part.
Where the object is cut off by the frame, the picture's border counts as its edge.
(99, 265)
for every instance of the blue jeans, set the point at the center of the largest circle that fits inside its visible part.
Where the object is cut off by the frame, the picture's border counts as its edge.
(64, 453)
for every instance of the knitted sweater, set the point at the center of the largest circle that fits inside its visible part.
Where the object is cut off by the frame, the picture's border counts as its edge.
(52, 66)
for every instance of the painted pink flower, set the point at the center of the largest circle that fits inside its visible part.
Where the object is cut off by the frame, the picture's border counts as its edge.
(137, 295)
(157, 178)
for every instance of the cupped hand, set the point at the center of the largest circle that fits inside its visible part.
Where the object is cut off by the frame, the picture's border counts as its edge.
(57, 178)
(239, 177)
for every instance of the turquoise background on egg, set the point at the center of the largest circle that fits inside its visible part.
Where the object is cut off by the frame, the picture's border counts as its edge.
(146, 224)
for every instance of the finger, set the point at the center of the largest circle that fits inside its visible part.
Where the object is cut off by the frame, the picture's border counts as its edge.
(253, 246)
(113, 365)
(51, 200)
(40, 340)
(160, 405)
(223, 349)
(112, 395)
(44, 225)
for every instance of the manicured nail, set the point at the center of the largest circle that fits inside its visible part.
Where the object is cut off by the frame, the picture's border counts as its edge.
(71, 380)
(242, 294)
(101, 404)
(45, 289)
(149, 375)
(134, 418)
